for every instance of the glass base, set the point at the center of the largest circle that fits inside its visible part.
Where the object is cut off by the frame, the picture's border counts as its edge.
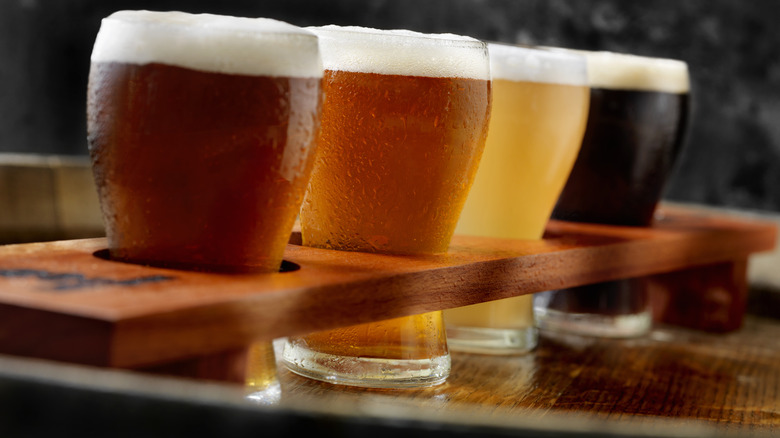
(492, 340)
(364, 371)
(266, 396)
(592, 324)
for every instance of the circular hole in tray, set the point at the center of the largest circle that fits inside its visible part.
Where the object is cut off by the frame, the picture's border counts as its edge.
(287, 266)
(296, 238)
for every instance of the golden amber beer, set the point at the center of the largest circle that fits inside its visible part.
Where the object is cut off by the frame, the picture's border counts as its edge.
(262, 383)
(202, 131)
(635, 131)
(540, 107)
(403, 128)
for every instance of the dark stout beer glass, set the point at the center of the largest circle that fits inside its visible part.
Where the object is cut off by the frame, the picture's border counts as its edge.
(636, 126)
(202, 130)
(403, 128)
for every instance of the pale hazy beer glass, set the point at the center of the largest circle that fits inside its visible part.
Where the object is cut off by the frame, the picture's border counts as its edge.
(540, 107)
(404, 125)
(636, 127)
(202, 131)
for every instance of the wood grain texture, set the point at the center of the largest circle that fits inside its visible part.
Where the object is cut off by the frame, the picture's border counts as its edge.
(157, 316)
(724, 382)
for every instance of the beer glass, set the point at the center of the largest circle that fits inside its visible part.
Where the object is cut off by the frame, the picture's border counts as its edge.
(202, 130)
(262, 384)
(403, 128)
(638, 117)
(540, 107)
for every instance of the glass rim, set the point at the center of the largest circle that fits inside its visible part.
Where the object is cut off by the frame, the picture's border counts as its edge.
(401, 35)
(212, 22)
(402, 52)
(528, 63)
(208, 42)
(628, 71)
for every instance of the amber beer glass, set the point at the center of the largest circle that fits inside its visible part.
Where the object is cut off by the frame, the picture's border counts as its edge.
(540, 107)
(404, 125)
(202, 130)
(636, 127)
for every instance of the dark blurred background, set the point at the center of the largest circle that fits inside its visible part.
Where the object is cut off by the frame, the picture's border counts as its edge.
(733, 50)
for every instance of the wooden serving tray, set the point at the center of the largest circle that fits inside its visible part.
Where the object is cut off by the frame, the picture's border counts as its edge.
(63, 301)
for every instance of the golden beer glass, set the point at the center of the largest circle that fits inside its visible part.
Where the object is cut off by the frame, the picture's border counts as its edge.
(403, 128)
(636, 127)
(540, 108)
(202, 132)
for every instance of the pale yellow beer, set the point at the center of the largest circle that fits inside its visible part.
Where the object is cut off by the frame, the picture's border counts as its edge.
(540, 108)
(403, 128)
(533, 140)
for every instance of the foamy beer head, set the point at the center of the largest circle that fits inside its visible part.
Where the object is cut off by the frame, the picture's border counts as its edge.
(619, 71)
(403, 128)
(402, 52)
(211, 43)
(636, 128)
(201, 129)
(535, 64)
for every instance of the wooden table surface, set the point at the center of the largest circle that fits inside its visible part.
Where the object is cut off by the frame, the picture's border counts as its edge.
(675, 382)
(674, 378)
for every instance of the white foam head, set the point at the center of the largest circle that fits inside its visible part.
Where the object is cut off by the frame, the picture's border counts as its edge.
(517, 63)
(621, 71)
(402, 52)
(206, 42)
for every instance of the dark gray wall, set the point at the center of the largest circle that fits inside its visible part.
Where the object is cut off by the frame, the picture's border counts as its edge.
(733, 152)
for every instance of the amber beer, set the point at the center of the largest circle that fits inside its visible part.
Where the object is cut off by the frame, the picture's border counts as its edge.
(202, 130)
(540, 107)
(433, 150)
(636, 128)
(403, 128)
(261, 381)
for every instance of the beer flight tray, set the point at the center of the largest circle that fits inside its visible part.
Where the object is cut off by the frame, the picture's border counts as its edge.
(66, 301)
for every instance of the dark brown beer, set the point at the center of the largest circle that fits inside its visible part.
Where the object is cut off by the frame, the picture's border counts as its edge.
(202, 131)
(200, 170)
(611, 298)
(636, 127)
(631, 143)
